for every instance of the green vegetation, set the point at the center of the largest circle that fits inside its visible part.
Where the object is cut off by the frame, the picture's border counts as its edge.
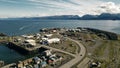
(66, 45)
(100, 49)
(105, 51)
(108, 53)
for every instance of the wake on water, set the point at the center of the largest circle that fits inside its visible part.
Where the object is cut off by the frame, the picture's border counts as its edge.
(24, 27)
(21, 28)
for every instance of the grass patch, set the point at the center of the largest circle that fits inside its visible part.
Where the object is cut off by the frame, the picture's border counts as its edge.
(99, 51)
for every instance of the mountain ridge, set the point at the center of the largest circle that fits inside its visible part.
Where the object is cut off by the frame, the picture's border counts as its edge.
(103, 16)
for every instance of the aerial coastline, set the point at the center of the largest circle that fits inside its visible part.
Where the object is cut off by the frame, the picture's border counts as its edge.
(59, 33)
(70, 42)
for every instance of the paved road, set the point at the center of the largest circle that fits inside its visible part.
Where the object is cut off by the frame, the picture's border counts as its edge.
(84, 63)
(77, 58)
(58, 50)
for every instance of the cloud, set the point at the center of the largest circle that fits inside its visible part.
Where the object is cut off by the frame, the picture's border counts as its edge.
(9, 1)
(56, 3)
(68, 7)
(108, 7)
(60, 7)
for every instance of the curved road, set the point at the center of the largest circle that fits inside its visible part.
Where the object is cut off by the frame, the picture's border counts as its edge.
(77, 58)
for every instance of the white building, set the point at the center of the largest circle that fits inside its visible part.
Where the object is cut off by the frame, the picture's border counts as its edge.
(28, 36)
(31, 42)
(48, 35)
(53, 40)
(38, 35)
(44, 39)
(48, 52)
(74, 30)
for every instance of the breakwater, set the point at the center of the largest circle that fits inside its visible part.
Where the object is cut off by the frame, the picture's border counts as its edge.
(22, 50)
(110, 35)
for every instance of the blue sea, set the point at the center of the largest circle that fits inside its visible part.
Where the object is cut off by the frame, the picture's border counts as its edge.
(19, 27)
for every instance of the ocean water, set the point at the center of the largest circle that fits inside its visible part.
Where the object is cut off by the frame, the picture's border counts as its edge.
(19, 27)
(9, 55)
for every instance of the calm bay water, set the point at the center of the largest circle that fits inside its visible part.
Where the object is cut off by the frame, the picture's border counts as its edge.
(19, 27)
(9, 55)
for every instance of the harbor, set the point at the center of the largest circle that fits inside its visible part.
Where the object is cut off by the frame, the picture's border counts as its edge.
(52, 47)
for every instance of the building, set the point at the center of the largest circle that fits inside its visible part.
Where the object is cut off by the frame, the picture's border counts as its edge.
(55, 58)
(48, 35)
(38, 36)
(49, 41)
(43, 64)
(47, 52)
(28, 36)
(43, 39)
(53, 40)
(73, 30)
(30, 42)
(37, 60)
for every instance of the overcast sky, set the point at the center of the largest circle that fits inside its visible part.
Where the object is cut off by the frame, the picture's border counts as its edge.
(29, 8)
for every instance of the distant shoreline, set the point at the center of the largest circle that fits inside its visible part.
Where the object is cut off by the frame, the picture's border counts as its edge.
(102, 16)
(111, 35)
